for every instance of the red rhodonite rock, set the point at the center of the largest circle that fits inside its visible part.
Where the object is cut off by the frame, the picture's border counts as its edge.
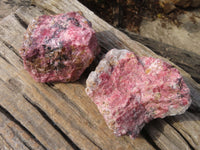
(59, 48)
(129, 91)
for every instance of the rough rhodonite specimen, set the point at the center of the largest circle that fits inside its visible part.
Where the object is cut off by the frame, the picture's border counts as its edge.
(129, 91)
(59, 48)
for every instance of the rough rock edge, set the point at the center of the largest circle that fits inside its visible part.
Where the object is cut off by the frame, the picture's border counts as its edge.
(27, 40)
(106, 64)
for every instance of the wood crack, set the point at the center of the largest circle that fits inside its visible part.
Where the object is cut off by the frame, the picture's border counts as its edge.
(91, 140)
(19, 137)
(6, 141)
(64, 96)
(47, 118)
(189, 68)
(192, 148)
(149, 139)
(50, 84)
(13, 49)
(194, 110)
(5, 59)
(42, 8)
(6, 113)
(21, 21)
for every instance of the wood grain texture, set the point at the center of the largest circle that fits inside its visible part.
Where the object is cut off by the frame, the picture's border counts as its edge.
(13, 136)
(62, 111)
(163, 134)
(14, 101)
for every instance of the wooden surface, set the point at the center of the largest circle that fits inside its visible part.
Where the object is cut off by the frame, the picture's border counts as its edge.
(60, 115)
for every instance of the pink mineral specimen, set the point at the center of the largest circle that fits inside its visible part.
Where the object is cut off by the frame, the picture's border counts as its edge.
(59, 48)
(129, 91)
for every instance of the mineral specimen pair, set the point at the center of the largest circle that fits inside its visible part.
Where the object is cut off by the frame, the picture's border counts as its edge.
(128, 90)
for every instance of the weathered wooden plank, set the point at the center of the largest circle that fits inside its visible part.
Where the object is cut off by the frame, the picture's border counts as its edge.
(12, 91)
(69, 108)
(4, 145)
(165, 136)
(32, 120)
(78, 95)
(26, 14)
(109, 37)
(73, 112)
(12, 136)
(7, 29)
(188, 125)
(7, 7)
(63, 88)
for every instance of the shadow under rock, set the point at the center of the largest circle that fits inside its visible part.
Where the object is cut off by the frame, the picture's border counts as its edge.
(107, 41)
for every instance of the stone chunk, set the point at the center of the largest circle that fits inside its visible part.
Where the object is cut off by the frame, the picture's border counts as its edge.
(59, 48)
(129, 91)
